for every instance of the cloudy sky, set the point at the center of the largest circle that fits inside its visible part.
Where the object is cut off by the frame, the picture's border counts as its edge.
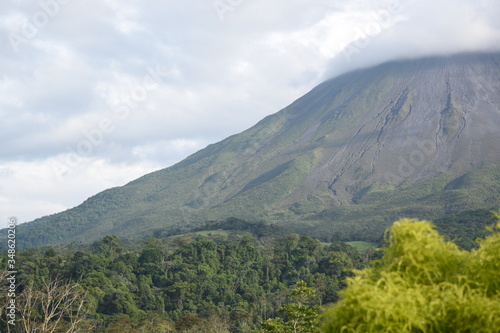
(94, 94)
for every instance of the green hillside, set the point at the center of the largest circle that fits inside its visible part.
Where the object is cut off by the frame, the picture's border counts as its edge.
(379, 206)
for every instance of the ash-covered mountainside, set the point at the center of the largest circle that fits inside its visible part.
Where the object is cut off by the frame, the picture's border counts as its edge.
(414, 137)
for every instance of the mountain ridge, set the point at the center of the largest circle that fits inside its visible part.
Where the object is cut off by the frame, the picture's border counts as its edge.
(395, 125)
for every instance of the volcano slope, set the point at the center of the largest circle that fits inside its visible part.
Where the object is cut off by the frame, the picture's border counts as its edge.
(414, 138)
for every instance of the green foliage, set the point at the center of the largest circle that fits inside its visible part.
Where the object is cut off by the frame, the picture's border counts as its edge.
(465, 228)
(150, 322)
(200, 284)
(423, 284)
(258, 229)
(363, 246)
(435, 198)
(299, 316)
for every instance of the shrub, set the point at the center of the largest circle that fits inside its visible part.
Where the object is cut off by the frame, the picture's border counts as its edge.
(423, 284)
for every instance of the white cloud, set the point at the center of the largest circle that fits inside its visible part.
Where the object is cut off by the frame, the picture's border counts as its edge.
(424, 27)
(36, 188)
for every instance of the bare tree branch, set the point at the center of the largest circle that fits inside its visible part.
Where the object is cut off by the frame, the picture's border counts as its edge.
(57, 306)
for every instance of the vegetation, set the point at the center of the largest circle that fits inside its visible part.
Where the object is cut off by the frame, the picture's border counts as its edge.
(376, 208)
(299, 316)
(423, 284)
(464, 229)
(251, 279)
(183, 283)
(475, 193)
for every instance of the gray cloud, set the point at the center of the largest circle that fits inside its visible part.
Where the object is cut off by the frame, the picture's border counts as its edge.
(425, 28)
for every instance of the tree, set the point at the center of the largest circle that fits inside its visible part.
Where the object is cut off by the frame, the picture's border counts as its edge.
(299, 317)
(57, 306)
(110, 246)
(188, 323)
(423, 284)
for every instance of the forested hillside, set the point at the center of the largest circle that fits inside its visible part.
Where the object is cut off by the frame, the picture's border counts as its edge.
(228, 276)
(219, 280)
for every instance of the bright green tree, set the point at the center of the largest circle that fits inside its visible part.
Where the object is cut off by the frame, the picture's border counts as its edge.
(299, 317)
(423, 284)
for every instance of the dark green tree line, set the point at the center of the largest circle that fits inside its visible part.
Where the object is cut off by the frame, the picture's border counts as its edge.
(232, 284)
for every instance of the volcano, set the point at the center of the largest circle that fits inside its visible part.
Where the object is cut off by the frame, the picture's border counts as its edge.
(415, 138)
